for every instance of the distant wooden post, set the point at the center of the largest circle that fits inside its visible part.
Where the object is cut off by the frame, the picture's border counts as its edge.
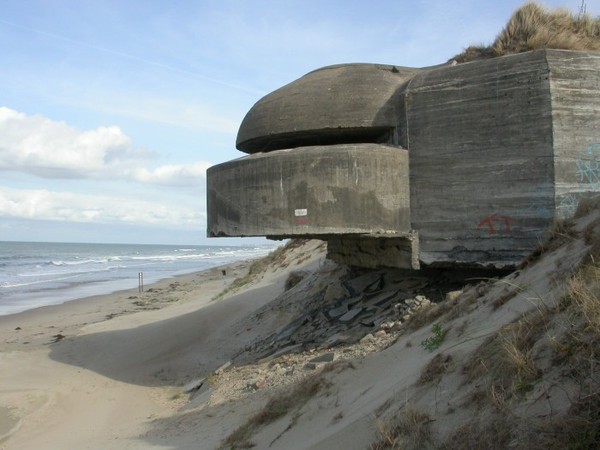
(141, 282)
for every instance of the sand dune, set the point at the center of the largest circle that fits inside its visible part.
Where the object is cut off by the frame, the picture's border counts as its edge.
(130, 371)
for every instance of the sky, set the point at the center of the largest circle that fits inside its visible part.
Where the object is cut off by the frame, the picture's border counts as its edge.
(112, 110)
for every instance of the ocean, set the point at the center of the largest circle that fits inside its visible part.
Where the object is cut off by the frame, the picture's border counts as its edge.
(34, 274)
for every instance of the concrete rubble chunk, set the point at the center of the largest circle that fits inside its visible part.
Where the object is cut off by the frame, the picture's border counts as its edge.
(350, 315)
(334, 292)
(367, 338)
(290, 329)
(193, 385)
(337, 312)
(361, 283)
(324, 358)
(336, 339)
(223, 368)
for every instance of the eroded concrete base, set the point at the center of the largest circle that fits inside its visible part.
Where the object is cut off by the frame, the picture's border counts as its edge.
(396, 250)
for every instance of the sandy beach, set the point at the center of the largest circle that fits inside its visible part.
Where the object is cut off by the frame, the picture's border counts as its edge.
(95, 372)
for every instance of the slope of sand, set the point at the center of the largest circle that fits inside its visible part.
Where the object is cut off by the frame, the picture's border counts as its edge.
(176, 370)
(95, 373)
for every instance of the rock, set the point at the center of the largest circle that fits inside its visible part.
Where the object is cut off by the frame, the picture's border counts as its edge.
(283, 351)
(193, 385)
(324, 358)
(387, 325)
(380, 334)
(336, 339)
(222, 368)
(334, 292)
(337, 312)
(367, 338)
(452, 296)
(257, 384)
(375, 287)
(291, 328)
(350, 315)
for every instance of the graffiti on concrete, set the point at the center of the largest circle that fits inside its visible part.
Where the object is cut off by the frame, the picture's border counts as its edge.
(588, 169)
(587, 176)
(496, 222)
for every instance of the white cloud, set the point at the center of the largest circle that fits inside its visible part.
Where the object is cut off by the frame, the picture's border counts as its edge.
(66, 206)
(40, 146)
(173, 175)
(49, 149)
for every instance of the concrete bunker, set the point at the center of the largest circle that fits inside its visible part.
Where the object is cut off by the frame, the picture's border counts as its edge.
(468, 164)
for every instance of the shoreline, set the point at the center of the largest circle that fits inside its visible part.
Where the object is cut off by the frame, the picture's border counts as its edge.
(43, 346)
(55, 273)
(123, 301)
(105, 372)
(129, 290)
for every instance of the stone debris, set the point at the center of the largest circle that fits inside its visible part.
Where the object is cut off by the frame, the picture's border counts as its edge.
(363, 313)
(375, 300)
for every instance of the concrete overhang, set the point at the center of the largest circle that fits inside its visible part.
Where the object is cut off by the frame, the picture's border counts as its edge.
(314, 191)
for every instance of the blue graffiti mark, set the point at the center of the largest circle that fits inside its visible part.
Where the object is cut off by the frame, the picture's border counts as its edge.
(588, 171)
(567, 204)
(594, 149)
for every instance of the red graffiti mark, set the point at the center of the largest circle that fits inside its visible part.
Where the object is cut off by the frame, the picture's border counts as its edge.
(507, 220)
(492, 222)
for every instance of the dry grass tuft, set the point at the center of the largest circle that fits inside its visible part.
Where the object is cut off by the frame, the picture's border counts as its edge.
(584, 294)
(435, 368)
(294, 278)
(562, 232)
(505, 361)
(277, 407)
(410, 429)
(425, 316)
(532, 27)
(491, 434)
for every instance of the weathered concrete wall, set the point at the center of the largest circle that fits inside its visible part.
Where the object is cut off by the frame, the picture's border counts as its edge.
(313, 191)
(480, 143)
(575, 93)
(350, 103)
(497, 151)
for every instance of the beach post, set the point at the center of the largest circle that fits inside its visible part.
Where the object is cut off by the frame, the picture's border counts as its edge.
(141, 282)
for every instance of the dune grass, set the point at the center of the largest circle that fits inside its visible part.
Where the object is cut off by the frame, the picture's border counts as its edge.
(533, 27)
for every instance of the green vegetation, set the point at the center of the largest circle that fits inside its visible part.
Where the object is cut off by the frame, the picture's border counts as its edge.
(433, 342)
